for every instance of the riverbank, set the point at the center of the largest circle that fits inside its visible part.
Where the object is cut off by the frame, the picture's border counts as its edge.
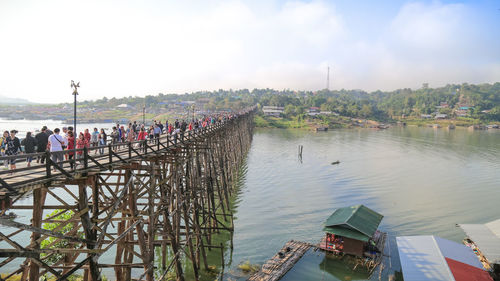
(459, 122)
(335, 122)
(339, 122)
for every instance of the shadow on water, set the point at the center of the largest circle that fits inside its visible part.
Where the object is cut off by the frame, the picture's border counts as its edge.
(317, 265)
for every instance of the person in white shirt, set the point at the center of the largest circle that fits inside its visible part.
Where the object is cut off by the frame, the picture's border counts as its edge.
(64, 134)
(56, 143)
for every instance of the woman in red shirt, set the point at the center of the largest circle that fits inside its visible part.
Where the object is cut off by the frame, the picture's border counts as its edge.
(142, 136)
(81, 142)
(71, 145)
(87, 135)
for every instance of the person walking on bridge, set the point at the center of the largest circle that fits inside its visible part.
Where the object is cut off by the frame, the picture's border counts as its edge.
(103, 140)
(157, 131)
(94, 139)
(57, 143)
(3, 145)
(12, 148)
(42, 140)
(71, 146)
(29, 147)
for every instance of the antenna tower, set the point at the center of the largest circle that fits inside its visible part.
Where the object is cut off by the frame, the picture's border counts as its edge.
(328, 79)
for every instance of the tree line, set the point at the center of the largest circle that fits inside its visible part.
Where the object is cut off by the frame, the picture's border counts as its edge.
(482, 101)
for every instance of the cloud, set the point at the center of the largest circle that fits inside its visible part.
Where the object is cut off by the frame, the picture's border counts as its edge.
(137, 48)
(436, 43)
(429, 27)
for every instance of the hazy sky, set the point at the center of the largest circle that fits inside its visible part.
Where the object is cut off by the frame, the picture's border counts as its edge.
(123, 48)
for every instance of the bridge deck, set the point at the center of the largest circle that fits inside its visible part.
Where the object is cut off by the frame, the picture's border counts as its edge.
(92, 159)
(140, 199)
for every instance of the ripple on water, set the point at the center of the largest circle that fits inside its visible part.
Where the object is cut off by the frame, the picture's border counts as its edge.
(424, 181)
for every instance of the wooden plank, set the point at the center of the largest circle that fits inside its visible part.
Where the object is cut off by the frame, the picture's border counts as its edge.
(33, 229)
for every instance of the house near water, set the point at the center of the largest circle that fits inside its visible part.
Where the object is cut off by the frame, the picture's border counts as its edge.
(275, 111)
(484, 240)
(352, 230)
(436, 259)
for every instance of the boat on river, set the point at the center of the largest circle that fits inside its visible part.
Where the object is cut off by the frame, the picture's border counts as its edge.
(321, 128)
(351, 234)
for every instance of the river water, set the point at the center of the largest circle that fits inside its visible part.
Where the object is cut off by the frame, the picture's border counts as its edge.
(422, 180)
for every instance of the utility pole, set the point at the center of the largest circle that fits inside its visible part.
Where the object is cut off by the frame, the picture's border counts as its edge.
(144, 114)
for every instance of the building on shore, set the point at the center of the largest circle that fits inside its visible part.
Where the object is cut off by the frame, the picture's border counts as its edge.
(125, 106)
(275, 111)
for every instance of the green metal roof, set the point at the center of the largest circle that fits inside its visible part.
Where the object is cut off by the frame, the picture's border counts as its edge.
(346, 232)
(355, 221)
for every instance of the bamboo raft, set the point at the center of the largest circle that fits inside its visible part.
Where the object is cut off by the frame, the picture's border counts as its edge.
(282, 262)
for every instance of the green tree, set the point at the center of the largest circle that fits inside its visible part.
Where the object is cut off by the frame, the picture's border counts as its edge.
(366, 111)
(59, 216)
(289, 110)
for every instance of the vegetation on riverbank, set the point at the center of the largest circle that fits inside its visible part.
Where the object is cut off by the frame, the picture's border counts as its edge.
(460, 122)
(463, 104)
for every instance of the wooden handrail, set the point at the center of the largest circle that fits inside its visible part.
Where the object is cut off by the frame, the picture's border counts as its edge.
(116, 153)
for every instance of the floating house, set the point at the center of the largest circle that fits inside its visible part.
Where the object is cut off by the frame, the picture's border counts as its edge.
(353, 230)
(275, 111)
(437, 259)
(484, 240)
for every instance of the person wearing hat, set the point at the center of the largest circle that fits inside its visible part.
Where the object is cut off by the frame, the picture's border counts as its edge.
(42, 139)
(13, 147)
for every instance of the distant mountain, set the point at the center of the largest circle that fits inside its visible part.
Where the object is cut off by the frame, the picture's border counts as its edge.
(13, 101)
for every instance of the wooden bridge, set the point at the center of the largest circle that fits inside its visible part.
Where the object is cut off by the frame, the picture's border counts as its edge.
(151, 208)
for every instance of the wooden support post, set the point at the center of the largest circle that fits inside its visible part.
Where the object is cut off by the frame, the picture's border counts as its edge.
(39, 196)
(85, 158)
(172, 198)
(48, 168)
(90, 234)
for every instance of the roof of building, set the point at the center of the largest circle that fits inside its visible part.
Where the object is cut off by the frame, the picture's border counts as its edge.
(357, 222)
(434, 258)
(272, 110)
(272, 107)
(486, 237)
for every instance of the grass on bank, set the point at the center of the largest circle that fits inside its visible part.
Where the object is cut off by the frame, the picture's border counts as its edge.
(301, 122)
(459, 121)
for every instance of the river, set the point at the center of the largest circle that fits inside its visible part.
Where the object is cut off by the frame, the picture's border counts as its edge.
(422, 180)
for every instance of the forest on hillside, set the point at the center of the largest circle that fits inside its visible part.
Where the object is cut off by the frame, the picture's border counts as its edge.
(481, 101)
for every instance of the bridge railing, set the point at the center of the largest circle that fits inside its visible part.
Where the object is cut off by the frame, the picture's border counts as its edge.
(78, 161)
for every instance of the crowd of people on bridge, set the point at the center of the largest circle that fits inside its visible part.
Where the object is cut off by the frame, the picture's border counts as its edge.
(66, 140)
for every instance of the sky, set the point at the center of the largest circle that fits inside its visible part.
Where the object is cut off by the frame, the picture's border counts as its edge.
(137, 48)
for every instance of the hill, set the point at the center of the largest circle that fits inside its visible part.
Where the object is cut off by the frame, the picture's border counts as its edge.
(13, 101)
